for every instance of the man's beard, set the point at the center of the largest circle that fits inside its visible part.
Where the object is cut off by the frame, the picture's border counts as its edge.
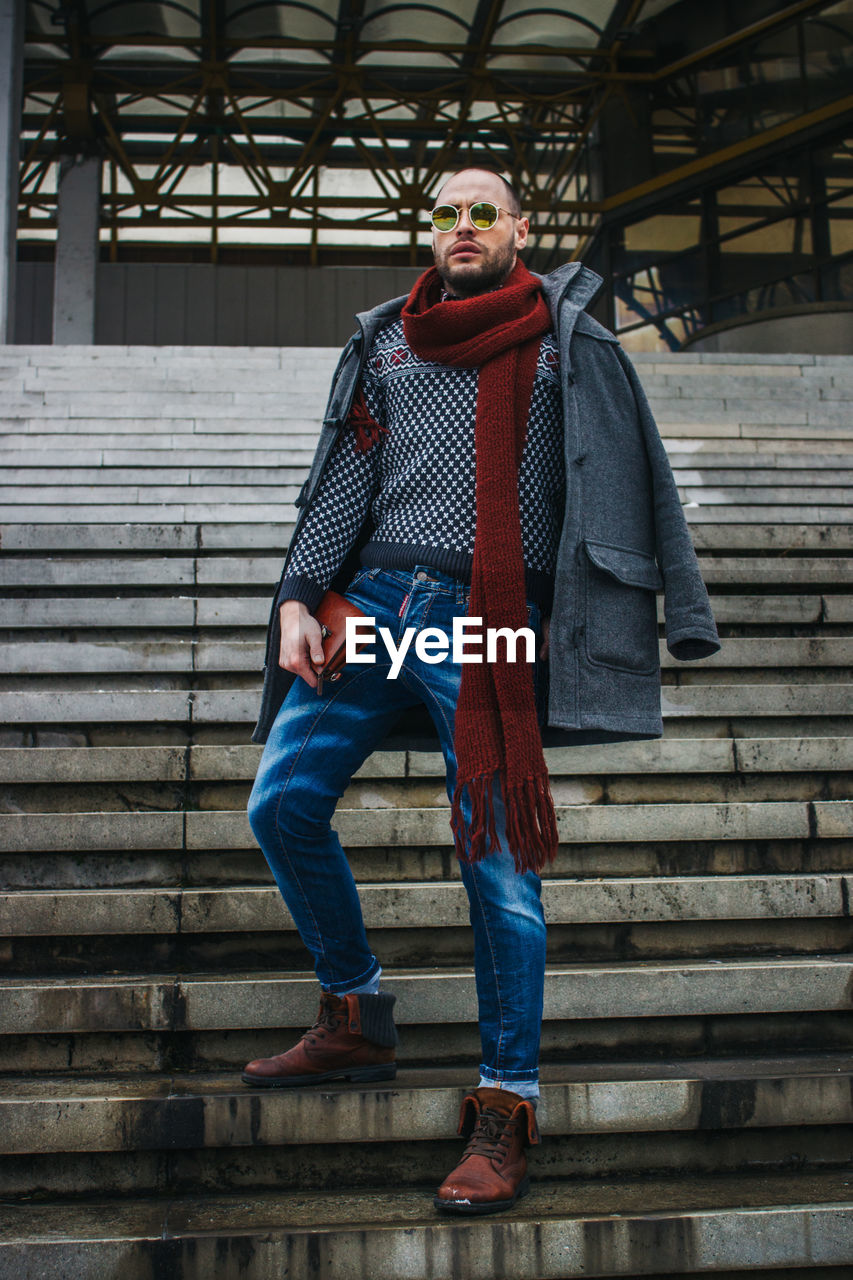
(470, 284)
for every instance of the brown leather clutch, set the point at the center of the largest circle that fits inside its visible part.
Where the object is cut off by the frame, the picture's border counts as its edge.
(332, 613)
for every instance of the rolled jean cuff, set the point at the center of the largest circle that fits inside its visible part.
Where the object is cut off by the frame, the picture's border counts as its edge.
(361, 981)
(369, 988)
(525, 1085)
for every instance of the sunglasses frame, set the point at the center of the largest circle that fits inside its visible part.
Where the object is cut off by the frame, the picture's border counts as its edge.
(447, 205)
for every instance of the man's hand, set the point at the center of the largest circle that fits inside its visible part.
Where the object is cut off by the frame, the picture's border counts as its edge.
(546, 638)
(301, 641)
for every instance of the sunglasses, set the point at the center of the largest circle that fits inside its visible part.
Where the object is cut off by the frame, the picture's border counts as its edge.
(482, 214)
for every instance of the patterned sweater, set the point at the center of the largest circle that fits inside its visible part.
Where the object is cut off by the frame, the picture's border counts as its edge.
(417, 482)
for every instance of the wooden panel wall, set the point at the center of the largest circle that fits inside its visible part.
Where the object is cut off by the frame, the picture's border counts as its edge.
(201, 304)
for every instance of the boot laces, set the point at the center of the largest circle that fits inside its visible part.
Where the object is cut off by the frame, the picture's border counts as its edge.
(491, 1137)
(328, 1020)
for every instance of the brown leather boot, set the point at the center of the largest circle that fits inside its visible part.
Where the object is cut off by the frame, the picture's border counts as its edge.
(492, 1173)
(354, 1038)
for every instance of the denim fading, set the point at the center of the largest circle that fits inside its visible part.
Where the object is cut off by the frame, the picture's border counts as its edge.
(315, 747)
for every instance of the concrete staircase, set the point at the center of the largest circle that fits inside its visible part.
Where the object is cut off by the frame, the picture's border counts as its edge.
(698, 1041)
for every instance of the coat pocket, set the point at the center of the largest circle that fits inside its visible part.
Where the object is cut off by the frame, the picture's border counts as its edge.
(621, 629)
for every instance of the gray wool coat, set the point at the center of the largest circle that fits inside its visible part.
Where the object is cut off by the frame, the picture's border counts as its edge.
(624, 539)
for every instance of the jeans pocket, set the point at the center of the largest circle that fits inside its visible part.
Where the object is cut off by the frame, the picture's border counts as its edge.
(361, 579)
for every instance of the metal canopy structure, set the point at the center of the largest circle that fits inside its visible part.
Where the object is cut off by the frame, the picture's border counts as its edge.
(318, 123)
(320, 129)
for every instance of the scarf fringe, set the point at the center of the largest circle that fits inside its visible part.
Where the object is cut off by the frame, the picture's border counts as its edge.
(531, 823)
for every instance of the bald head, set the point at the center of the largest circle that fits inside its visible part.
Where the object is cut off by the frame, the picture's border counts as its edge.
(509, 197)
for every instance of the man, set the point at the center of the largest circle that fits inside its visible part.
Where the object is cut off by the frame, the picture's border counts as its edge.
(487, 452)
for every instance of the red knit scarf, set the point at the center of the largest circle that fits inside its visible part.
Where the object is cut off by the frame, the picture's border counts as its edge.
(497, 732)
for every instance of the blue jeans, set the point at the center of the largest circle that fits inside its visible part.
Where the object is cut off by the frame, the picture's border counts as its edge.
(318, 743)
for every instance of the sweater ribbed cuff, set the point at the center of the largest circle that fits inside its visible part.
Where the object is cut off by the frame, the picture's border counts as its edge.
(298, 586)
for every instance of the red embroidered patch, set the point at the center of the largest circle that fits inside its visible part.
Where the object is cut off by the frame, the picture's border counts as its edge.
(367, 429)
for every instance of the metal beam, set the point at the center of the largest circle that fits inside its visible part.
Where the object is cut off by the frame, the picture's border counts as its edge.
(675, 178)
(11, 60)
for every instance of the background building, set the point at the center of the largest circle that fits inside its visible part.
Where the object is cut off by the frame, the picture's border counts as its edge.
(213, 171)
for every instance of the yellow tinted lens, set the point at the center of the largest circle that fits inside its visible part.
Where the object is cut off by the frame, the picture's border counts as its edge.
(445, 217)
(483, 215)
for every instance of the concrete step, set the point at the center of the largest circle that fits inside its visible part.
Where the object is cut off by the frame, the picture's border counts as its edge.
(239, 763)
(157, 536)
(81, 611)
(194, 402)
(199, 762)
(686, 451)
(240, 706)
(286, 398)
(167, 1112)
(750, 535)
(291, 380)
(369, 791)
(752, 657)
(77, 658)
(759, 383)
(139, 490)
(68, 571)
(92, 868)
(367, 828)
(728, 570)
(60, 657)
(184, 447)
(757, 534)
(140, 447)
(757, 471)
(216, 1002)
(47, 913)
(718, 396)
(245, 611)
(592, 1229)
(193, 513)
(163, 472)
(794, 364)
(603, 1040)
(210, 570)
(699, 494)
(769, 652)
(244, 513)
(161, 469)
(166, 495)
(73, 355)
(748, 412)
(93, 454)
(802, 391)
(166, 481)
(717, 425)
(195, 426)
